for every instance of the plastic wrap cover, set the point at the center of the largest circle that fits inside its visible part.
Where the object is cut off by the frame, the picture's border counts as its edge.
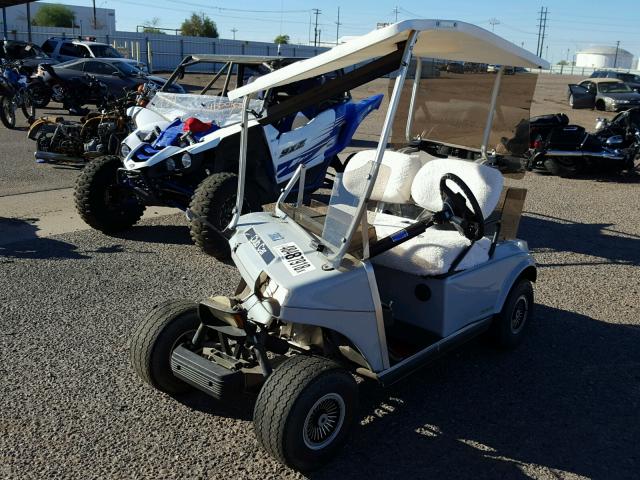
(208, 108)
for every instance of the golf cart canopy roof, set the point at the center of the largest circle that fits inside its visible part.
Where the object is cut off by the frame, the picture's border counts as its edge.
(441, 39)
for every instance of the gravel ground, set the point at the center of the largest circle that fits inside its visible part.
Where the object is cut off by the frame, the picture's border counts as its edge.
(563, 405)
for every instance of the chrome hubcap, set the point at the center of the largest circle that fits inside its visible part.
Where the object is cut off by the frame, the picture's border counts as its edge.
(324, 421)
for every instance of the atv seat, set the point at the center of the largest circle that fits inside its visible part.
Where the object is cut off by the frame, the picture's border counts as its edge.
(404, 179)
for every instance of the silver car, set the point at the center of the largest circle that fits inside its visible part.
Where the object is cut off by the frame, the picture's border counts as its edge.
(608, 94)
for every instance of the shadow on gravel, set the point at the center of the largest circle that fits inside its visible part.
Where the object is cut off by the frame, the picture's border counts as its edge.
(565, 401)
(171, 234)
(594, 239)
(18, 239)
(242, 409)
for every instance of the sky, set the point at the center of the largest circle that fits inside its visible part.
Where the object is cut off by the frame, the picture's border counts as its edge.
(571, 24)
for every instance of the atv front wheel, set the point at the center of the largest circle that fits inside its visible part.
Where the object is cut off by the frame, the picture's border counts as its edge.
(305, 410)
(212, 209)
(165, 327)
(101, 202)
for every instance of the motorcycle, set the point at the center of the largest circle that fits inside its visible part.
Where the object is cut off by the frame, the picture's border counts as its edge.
(565, 150)
(14, 94)
(97, 133)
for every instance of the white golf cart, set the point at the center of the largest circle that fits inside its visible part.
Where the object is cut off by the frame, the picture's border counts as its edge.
(347, 287)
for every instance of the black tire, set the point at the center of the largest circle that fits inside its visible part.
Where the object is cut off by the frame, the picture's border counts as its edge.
(165, 327)
(509, 326)
(7, 112)
(212, 208)
(101, 202)
(600, 105)
(28, 108)
(296, 395)
(563, 167)
(40, 96)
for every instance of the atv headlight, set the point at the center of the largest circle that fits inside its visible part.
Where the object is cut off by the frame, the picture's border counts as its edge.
(125, 150)
(186, 160)
(171, 164)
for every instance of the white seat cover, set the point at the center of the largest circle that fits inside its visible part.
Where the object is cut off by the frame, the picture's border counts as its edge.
(431, 253)
(395, 176)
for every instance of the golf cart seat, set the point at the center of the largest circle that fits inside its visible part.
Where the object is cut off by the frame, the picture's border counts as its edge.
(440, 249)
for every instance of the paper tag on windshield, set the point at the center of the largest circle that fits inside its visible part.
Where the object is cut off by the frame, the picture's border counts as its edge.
(294, 259)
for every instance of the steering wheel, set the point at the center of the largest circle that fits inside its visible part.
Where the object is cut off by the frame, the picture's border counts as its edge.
(469, 222)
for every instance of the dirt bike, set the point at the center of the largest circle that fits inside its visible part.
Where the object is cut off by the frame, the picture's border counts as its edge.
(14, 95)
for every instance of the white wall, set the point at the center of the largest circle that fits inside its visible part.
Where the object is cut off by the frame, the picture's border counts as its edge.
(594, 60)
(106, 17)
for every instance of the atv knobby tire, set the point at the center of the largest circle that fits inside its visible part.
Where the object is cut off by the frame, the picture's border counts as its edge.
(290, 404)
(212, 209)
(101, 202)
(154, 339)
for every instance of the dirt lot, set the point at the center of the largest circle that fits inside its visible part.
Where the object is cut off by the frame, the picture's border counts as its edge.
(564, 405)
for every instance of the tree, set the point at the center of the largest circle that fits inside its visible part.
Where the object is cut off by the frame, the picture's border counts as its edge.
(54, 15)
(282, 40)
(199, 25)
(151, 26)
(563, 62)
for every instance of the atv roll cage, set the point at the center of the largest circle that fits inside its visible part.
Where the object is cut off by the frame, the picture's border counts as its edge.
(393, 47)
(231, 64)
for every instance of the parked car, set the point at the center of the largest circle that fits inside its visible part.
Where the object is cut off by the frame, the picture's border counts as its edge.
(455, 67)
(507, 69)
(118, 74)
(629, 78)
(609, 94)
(64, 49)
(29, 54)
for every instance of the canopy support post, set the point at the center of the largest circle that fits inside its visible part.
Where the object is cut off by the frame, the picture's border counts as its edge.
(491, 114)
(382, 145)
(242, 164)
(414, 96)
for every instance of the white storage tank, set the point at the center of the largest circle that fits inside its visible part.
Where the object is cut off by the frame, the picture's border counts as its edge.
(604, 57)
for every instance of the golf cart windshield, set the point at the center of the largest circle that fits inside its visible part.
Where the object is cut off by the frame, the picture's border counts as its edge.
(207, 108)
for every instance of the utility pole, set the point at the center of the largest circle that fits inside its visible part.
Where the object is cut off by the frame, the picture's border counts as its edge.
(234, 30)
(316, 12)
(338, 27)
(494, 21)
(95, 21)
(542, 26)
(615, 59)
(396, 11)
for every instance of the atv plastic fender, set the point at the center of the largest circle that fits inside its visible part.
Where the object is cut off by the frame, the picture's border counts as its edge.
(144, 118)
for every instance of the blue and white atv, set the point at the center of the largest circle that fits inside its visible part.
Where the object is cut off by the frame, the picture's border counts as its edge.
(185, 151)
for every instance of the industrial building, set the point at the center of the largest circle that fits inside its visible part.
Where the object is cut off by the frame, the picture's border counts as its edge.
(604, 57)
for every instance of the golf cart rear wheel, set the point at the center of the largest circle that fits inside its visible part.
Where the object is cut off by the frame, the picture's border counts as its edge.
(165, 327)
(101, 202)
(511, 323)
(8, 112)
(212, 208)
(305, 410)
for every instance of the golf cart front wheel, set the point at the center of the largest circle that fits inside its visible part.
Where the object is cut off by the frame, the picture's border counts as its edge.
(510, 324)
(8, 111)
(212, 209)
(101, 202)
(165, 327)
(305, 411)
